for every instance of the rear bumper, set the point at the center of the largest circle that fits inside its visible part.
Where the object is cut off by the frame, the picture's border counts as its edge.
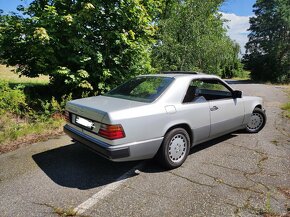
(125, 152)
(98, 146)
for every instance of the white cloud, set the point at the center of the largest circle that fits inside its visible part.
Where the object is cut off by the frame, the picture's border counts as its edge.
(237, 28)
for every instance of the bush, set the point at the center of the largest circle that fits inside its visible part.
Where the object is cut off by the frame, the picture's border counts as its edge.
(12, 100)
(54, 107)
(22, 115)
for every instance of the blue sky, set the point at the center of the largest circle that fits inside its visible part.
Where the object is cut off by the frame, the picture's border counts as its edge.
(237, 12)
(10, 5)
(238, 7)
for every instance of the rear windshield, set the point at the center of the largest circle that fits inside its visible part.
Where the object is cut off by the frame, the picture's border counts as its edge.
(142, 89)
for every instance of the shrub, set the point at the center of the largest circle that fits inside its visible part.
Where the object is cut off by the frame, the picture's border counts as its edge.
(12, 100)
(21, 116)
(54, 107)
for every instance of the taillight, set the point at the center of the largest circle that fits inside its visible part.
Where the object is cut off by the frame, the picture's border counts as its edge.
(111, 131)
(66, 116)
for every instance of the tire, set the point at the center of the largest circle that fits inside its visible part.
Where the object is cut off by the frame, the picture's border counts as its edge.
(174, 149)
(257, 121)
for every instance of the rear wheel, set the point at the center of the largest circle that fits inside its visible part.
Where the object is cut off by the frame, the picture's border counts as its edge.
(174, 149)
(257, 121)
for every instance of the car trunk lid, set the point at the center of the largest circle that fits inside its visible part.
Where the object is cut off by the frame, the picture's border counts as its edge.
(95, 108)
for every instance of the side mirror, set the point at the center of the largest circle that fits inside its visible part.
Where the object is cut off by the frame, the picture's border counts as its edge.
(237, 94)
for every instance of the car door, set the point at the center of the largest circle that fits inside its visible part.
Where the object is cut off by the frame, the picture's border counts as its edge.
(226, 115)
(197, 113)
(226, 112)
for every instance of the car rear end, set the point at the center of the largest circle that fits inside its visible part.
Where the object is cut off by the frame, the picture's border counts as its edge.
(117, 140)
(84, 124)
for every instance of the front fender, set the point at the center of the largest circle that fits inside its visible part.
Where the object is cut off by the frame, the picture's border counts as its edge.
(250, 104)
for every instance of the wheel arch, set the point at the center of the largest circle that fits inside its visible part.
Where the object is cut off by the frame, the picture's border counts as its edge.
(258, 106)
(184, 126)
(250, 103)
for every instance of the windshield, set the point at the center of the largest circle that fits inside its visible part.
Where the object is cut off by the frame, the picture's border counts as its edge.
(142, 89)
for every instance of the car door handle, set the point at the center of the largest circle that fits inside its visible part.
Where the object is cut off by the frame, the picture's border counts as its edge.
(214, 108)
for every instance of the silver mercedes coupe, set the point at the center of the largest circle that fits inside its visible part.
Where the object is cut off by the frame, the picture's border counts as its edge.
(162, 116)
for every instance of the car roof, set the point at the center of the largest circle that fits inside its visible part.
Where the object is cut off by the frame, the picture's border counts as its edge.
(189, 75)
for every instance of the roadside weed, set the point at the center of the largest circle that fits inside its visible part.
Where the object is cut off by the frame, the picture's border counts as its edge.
(286, 108)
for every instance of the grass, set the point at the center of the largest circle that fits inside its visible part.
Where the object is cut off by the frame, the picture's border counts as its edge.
(244, 76)
(16, 132)
(8, 74)
(12, 129)
(268, 207)
(36, 121)
(286, 106)
(65, 212)
(62, 212)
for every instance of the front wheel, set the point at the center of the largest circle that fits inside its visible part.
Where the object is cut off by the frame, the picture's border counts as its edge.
(174, 149)
(257, 121)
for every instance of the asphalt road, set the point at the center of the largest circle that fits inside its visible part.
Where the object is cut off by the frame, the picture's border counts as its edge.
(236, 175)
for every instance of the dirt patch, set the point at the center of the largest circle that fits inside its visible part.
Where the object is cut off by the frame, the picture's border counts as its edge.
(29, 139)
(274, 215)
(285, 191)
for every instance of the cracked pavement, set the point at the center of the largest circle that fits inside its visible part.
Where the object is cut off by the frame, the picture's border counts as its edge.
(236, 175)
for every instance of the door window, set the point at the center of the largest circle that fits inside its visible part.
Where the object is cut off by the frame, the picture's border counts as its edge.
(203, 90)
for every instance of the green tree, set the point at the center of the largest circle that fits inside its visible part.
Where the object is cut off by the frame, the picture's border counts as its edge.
(268, 50)
(191, 36)
(87, 45)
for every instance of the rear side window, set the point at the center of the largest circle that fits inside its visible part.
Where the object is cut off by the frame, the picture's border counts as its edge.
(206, 90)
(142, 89)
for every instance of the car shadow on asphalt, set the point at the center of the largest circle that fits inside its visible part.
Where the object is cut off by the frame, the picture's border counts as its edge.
(75, 166)
(153, 167)
(213, 142)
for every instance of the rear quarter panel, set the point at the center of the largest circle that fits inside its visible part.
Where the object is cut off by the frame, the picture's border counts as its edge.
(140, 124)
(153, 121)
